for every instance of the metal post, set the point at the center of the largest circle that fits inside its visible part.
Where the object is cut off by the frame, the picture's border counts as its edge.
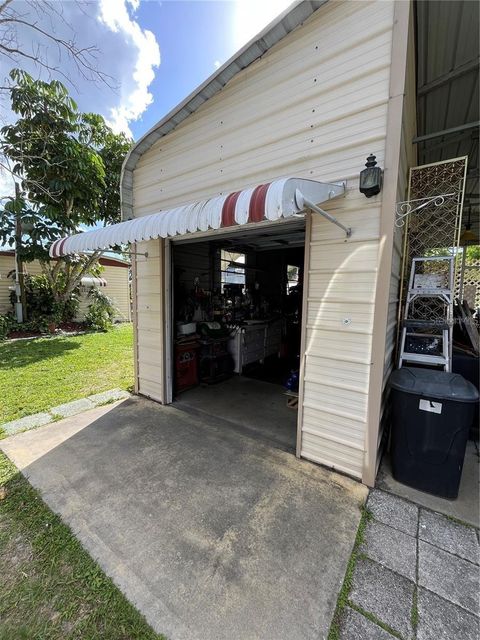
(21, 302)
(303, 202)
(462, 273)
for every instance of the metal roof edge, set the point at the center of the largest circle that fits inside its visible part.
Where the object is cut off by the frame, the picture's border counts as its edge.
(292, 17)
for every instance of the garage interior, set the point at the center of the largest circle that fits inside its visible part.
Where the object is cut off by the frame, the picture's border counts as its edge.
(237, 315)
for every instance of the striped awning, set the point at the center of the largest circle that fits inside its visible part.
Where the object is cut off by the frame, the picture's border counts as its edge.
(281, 198)
(91, 281)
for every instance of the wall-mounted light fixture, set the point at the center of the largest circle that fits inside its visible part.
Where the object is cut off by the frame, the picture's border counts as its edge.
(371, 178)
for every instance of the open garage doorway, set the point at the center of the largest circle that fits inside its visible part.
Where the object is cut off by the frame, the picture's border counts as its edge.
(236, 323)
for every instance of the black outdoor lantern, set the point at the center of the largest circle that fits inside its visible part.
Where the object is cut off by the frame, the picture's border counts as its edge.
(371, 178)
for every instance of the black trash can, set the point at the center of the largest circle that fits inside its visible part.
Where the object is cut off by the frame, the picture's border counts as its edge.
(432, 412)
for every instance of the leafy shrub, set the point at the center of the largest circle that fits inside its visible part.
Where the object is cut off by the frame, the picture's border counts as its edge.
(101, 311)
(41, 305)
(7, 323)
(40, 323)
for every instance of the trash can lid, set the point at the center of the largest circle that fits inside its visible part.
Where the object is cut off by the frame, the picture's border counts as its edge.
(433, 384)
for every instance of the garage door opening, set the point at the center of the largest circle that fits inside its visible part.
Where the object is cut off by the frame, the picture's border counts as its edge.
(236, 311)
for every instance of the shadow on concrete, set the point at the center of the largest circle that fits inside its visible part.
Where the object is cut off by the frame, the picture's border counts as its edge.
(253, 407)
(208, 531)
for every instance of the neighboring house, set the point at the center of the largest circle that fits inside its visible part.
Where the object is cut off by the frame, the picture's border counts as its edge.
(113, 282)
(322, 87)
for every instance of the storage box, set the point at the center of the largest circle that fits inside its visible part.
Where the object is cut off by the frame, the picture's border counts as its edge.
(432, 412)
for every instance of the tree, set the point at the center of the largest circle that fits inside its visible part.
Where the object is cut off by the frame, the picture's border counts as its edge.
(28, 17)
(67, 166)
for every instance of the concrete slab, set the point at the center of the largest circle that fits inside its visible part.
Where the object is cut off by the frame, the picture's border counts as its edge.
(29, 422)
(393, 511)
(442, 620)
(466, 507)
(448, 576)
(354, 626)
(209, 532)
(50, 436)
(449, 536)
(385, 594)
(392, 548)
(253, 405)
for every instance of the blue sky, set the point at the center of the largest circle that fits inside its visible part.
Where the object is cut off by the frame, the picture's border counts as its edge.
(193, 36)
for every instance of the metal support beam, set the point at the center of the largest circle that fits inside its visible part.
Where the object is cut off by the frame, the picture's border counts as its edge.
(461, 137)
(446, 132)
(463, 69)
(304, 203)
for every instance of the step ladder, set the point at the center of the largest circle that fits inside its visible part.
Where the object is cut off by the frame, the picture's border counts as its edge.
(426, 336)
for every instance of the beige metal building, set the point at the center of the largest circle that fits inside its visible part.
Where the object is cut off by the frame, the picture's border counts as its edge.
(311, 97)
(114, 284)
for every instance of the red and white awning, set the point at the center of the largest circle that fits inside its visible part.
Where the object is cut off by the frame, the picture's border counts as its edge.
(91, 281)
(278, 199)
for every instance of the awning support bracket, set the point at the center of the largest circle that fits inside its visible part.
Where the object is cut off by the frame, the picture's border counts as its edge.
(131, 253)
(304, 203)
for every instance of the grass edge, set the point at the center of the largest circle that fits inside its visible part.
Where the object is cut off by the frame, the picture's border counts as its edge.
(343, 596)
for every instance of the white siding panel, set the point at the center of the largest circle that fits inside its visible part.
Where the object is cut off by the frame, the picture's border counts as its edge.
(340, 286)
(148, 268)
(346, 346)
(334, 372)
(315, 106)
(346, 257)
(340, 316)
(7, 263)
(148, 320)
(332, 397)
(148, 314)
(407, 160)
(150, 389)
(334, 426)
(333, 454)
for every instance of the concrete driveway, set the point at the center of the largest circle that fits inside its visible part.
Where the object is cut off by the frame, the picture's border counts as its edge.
(209, 532)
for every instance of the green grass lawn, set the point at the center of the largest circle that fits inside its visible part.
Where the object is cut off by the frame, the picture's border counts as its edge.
(50, 588)
(38, 374)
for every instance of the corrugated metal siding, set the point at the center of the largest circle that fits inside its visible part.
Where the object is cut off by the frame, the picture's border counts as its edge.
(148, 319)
(407, 160)
(117, 288)
(314, 106)
(340, 303)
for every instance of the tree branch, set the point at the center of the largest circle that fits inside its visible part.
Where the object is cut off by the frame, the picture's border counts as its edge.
(84, 58)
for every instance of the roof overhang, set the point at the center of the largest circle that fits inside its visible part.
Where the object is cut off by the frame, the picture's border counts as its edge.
(282, 198)
(283, 24)
(448, 115)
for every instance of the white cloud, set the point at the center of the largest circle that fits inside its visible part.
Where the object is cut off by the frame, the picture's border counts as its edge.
(135, 96)
(7, 184)
(251, 16)
(134, 4)
(217, 64)
(122, 50)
